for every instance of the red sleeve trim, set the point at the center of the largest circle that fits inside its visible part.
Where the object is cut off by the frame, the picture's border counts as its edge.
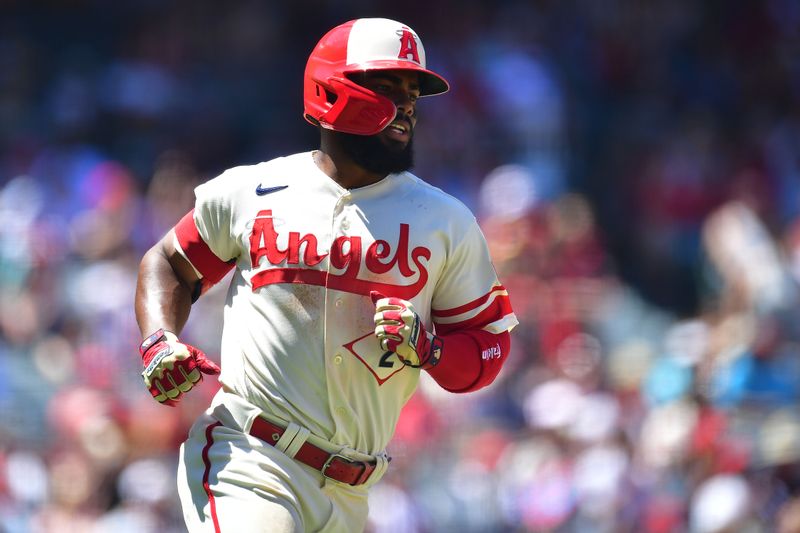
(500, 307)
(211, 267)
(471, 360)
(474, 304)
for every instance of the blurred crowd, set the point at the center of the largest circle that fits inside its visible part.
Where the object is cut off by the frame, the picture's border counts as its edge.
(635, 167)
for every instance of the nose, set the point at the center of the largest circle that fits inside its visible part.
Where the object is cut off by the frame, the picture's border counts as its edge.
(405, 104)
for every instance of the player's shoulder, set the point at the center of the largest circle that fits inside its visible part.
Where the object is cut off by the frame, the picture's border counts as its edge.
(436, 198)
(244, 177)
(260, 170)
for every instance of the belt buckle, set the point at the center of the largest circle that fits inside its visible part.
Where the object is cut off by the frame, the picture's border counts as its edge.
(347, 460)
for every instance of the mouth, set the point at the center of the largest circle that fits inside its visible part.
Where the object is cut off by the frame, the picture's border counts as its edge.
(399, 130)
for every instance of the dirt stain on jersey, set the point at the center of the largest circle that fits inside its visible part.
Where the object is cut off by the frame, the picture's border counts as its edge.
(302, 301)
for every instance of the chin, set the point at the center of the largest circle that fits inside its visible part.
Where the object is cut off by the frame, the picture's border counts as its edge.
(378, 153)
(393, 144)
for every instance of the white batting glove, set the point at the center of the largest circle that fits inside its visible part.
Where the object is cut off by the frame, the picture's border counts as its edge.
(400, 330)
(172, 368)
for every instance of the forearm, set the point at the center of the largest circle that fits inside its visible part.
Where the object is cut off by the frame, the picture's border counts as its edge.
(163, 299)
(470, 359)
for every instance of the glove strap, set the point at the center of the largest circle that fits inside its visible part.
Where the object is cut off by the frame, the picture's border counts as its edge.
(158, 336)
(433, 355)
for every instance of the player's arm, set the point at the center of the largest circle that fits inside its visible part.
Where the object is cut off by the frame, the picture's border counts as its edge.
(462, 360)
(471, 313)
(471, 359)
(166, 287)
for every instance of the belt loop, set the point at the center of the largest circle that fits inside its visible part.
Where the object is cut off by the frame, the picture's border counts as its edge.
(286, 439)
(381, 466)
(297, 442)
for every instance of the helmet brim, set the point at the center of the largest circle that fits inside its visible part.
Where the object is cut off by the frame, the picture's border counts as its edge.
(430, 83)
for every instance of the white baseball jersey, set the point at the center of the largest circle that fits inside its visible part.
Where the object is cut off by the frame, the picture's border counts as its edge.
(298, 339)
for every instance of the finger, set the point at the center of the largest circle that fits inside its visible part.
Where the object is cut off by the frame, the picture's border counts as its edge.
(172, 398)
(376, 297)
(174, 394)
(388, 331)
(187, 364)
(189, 379)
(192, 376)
(196, 353)
(393, 331)
(390, 304)
(388, 344)
(162, 392)
(382, 318)
(175, 391)
(207, 366)
(393, 316)
(391, 344)
(157, 394)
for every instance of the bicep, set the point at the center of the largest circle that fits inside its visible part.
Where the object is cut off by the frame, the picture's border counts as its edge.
(164, 288)
(183, 269)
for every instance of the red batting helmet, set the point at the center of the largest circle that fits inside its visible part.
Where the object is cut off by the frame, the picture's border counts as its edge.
(334, 101)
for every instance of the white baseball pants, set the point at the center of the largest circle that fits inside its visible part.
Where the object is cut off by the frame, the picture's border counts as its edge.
(230, 481)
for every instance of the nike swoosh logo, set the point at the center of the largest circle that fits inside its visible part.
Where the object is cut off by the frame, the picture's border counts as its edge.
(261, 191)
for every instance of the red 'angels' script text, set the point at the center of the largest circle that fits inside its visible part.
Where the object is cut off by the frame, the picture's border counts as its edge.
(346, 255)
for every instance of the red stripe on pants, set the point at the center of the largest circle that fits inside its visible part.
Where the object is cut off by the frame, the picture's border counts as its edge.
(207, 463)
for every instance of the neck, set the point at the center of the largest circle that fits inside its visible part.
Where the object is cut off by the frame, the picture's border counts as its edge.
(340, 167)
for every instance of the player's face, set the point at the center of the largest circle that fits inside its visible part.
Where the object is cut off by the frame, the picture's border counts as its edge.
(402, 88)
(391, 150)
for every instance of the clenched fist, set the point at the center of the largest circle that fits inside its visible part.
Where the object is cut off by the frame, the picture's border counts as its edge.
(172, 368)
(400, 330)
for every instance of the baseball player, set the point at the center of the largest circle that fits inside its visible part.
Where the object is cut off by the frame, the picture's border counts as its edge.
(352, 276)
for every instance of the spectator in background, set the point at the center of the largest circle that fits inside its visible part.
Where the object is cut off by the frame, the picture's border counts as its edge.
(671, 142)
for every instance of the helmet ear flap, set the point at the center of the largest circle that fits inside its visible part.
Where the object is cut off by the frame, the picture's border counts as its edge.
(331, 97)
(356, 109)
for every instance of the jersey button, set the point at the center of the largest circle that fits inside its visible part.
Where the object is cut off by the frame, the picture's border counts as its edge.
(341, 411)
(345, 224)
(337, 359)
(338, 302)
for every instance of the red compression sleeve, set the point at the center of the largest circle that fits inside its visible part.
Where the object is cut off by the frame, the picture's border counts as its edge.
(471, 359)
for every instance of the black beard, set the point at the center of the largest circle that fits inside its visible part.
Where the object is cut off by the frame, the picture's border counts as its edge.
(370, 153)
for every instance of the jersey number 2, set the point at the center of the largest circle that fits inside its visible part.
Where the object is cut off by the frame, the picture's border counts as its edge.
(385, 362)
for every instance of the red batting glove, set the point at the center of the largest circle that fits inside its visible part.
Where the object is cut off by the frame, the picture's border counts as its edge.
(172, 368)
(400, 330)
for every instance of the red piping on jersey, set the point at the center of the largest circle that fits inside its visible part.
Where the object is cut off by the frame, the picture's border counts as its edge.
(477, 302)
(499, 308)
(342, 282)
(212, 503)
